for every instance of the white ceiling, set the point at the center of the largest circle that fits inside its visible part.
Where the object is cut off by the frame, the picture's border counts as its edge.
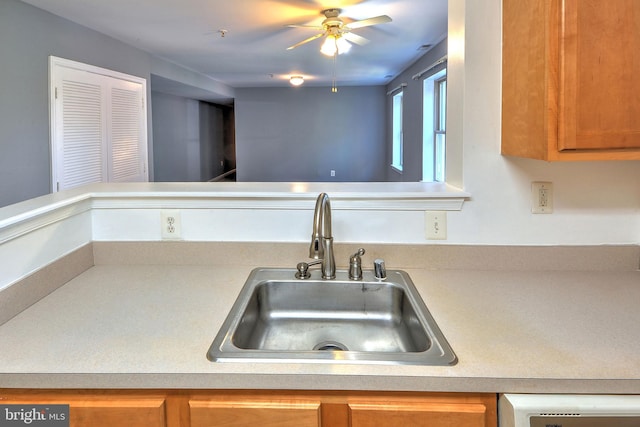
(253, 52)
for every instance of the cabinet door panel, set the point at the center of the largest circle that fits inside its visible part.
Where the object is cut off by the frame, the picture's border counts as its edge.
(245, 413)
(118, 412)
(600, 75)
(417, 415)
(104, 411)
(529, 68)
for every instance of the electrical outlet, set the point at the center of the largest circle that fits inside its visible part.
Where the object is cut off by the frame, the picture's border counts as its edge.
(171, 224)
(541, 197)
(333, 172)
(436, 225)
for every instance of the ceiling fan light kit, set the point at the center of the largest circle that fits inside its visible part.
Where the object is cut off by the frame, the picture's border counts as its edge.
(335, 44)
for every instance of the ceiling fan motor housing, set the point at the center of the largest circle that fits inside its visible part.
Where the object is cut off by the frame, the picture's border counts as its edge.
(332, 12)
(332, 22)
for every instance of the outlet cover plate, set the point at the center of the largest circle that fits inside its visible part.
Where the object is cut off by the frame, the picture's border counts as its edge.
(541, 197)
(171, 224)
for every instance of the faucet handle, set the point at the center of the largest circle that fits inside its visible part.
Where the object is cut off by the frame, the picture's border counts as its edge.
(355, 265)
(358, 254)
(379, 269)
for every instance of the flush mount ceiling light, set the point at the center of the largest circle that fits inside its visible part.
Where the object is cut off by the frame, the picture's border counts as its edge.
(296, 80)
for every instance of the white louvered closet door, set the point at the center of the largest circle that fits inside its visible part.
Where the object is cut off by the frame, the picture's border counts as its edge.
(127, 160)
(98, 127)
(79, 146)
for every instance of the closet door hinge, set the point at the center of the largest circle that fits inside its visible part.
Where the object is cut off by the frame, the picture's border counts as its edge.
(56, 92)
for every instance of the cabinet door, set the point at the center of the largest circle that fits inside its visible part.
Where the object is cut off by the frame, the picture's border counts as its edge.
(239, 412)
(138, 412)
(417, 414)
(104, 411)
(599, 75)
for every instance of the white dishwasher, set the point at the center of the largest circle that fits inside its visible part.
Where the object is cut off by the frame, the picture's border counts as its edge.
(563, 410)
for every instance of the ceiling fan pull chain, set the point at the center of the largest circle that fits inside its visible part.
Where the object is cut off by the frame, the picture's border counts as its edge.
(334, 88)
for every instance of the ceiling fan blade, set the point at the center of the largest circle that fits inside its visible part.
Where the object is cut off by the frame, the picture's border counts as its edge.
(316, 27)
(369, 21)
(354, 38)
(312, 38)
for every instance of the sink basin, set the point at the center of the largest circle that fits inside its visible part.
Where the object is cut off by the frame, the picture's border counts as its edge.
(278, 318)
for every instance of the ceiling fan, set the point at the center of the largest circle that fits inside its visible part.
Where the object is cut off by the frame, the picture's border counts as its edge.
(337, 33)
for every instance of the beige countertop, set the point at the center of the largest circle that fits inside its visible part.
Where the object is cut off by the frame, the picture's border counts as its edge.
(136, 324)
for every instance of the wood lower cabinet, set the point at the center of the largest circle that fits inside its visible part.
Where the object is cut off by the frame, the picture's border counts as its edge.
(343, 409)
(423, 413)
(232, 408)
(570, 79)
(99, 409)
(254, 410)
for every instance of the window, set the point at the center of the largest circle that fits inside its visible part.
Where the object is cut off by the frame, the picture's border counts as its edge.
(434, 126)
(98, 125)
(396, 158)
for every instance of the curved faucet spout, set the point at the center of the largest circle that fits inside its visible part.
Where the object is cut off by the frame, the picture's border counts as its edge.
(321, 238)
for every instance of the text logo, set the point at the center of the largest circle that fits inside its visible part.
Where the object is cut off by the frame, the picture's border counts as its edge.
(34, 415)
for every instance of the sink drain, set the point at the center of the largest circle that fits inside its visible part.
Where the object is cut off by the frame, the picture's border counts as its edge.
(330, 346)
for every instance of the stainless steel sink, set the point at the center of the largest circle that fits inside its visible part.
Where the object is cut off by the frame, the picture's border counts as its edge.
(278, 318)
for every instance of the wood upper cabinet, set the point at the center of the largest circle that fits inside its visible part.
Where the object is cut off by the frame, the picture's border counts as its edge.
(571, 79)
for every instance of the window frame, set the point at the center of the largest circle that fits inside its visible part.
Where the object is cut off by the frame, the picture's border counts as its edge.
(434, 129)
(440, 129)
(397, 135)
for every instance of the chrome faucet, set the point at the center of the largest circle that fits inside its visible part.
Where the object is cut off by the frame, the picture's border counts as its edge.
(321, 239)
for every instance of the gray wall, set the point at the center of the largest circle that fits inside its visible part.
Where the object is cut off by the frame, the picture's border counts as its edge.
(27, 37)
(301, 134)
(188, 139)
(412, 119)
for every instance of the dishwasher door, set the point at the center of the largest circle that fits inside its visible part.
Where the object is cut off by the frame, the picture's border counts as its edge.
(582, 421)
(564, 410)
